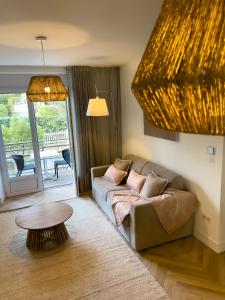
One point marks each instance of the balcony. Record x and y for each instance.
(50, 151)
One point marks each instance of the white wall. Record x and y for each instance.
(188, 157)
(16, 79)
(222, 204)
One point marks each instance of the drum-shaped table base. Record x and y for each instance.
(45, 224)
(47, 238)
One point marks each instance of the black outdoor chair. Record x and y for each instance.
(61, 162)
(21, 166)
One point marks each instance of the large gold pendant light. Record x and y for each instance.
(46, 88)
(180, 81)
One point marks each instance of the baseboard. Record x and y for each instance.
(217, 247)
(2, 198)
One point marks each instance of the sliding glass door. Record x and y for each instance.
(54, 143)
(35, 150)
(19, 153)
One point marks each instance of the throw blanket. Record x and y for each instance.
(121, 203)
(173, 208)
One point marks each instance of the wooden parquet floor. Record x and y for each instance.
(187, 269)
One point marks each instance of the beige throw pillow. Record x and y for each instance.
(135, 181)
(115, 175)
(122, 164)
(153, 186)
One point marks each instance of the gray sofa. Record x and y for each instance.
(141, 228)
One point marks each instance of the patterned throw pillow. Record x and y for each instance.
(153, 186)
(115, 175)
(135, 181)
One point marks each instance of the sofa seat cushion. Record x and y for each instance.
(103, 186)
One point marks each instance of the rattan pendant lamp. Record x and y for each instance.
(180, 81)
(44, 88)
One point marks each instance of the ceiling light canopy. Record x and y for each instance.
(46, 88)
(180, 81)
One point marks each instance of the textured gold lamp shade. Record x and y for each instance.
(180, 81)
(46, 88)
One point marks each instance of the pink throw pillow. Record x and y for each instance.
(115, 175)
(135, 181)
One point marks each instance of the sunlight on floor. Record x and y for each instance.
(49, 195)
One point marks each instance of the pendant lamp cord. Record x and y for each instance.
(43, 55)
(96, 91)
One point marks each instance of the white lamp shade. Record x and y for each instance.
(97, 108)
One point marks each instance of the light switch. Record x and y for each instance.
(211, 150)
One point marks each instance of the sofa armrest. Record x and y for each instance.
(98, 171)
(146, 229)
(143, 220)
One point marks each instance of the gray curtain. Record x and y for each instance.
(97, 139)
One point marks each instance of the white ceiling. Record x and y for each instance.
(80, 32)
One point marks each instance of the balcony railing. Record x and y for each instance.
(25, 148)
(52, 143)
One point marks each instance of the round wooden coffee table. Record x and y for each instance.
(45, 224)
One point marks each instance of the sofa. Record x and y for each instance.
(141, 228)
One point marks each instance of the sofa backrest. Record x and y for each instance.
(144, 167)
(138, 163)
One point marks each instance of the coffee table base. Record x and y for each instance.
(47, 238)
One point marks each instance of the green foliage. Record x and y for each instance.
(5, 121)
(19, 131)
(6, 104)
(51, 125)
(3, 98)
(9, 106)
(3, 111)
(51, 118)
(49, 111)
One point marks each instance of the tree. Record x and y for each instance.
(3, 98)
(3, 111)
(52, 125)
(49, 112)
(9, 106)
(19, 131)
(51, 118)
(8, 100)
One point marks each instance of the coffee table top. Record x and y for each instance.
(44, 215)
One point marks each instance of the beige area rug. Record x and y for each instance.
(95, 263)
(50, 195)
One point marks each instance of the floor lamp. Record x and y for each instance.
(97, 107)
